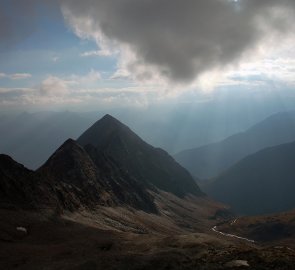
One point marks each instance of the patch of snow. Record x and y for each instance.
(22, 229)
(237, 263)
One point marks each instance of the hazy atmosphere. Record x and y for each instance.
(151, 134)
(198, 71)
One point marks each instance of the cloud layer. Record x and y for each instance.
(177, 40)
(172, 40)
(15, 76)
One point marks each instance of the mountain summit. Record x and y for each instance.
(108, 166)
(153, 167)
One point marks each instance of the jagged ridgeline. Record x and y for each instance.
(108, 165)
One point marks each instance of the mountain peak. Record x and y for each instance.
(104, 130)
(69, 152)
(7, 162)
(5, 158)
(69, 142)
(150, 166)
(108, 117)
(108, 120)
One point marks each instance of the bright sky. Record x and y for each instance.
(84, 54)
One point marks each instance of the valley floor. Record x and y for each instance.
(68, 242)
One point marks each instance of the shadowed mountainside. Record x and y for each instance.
(16, 183)
(115, 168)
(93, 184)
(90, 183)
(261, 183)
(151, 166)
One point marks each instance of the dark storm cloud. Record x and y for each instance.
(181, 39)
(178, 39)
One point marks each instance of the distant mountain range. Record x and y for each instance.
(210, 160)
(19, 134)
(171, 127)
(261, 183)
(109, 165)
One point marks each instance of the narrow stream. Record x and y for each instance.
(214, 229)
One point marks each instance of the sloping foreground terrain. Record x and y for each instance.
(91, 207)
(55, 242)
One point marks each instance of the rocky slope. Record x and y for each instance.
(55, 243)
(90, 183)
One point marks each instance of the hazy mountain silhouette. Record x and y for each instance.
(261, 183)
(210, 160)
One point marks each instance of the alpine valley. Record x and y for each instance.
(109, 200)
